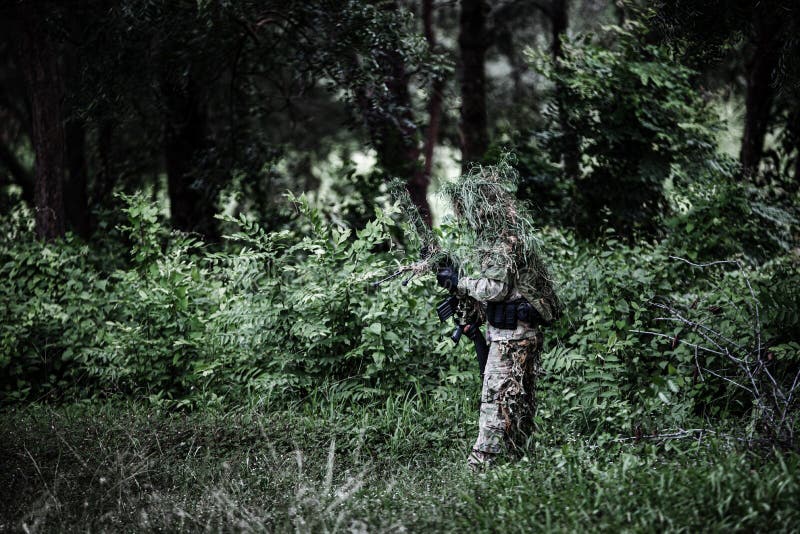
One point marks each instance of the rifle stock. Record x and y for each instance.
(481, 348)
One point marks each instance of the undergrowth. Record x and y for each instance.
(396, 466)
(275, 314)
(275, 390)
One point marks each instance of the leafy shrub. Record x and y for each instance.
(278, 314)
(600, 376)
(51, 298)
(638, 124)
(619, 362)
(717, 217)
(302, 312)
(282, 312)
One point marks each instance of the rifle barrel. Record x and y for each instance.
(390, 277)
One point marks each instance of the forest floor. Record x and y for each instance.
(323, 466)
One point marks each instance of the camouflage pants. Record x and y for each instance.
(508, 398)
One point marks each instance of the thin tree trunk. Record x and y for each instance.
(797, 168)
(384, 132)
(75, 189)
(559, 21)
(76, 202)
(472, 41)
(192, 202)
(105, 179)
(621, 12)
(759, 97)
(797, 165)
(504, 40)
(418, 186)
(793, 128)
(38, 60)
(570, 147)
(400, 144)
(394, 136)
(394, 133)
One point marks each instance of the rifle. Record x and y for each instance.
(432, 258)
(414, 269)
(448, 308)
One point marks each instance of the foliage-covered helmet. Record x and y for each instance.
(484, 200)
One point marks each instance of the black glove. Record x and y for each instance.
(447, 277)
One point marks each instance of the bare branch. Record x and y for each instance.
(659, 334)
(737, 384)
(697, 365)
(695, 324)
(720, 262)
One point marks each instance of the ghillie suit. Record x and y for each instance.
(518, 294)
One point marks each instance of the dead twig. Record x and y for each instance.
(751, 367)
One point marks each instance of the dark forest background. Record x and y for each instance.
(194, 202)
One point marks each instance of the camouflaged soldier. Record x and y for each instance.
(518, 296)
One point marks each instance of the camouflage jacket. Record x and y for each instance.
(498, 283)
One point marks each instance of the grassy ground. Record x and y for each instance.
(321, 466)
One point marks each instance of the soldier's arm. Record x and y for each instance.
(492, 285)
(483, 289)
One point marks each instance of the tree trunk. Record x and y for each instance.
(759, 97)
(797, 164)
(621, 12)
(75, 189)
(399, 150)
(394, 133)
(76, 202)
(793, 145)
(472, 42)
(192, 199)
(38, 60)
(418, 186)
(559, 21)
(106, 178)
(570, 149)
(504, 40)
(797, 168)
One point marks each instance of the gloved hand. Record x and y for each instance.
(447, 277)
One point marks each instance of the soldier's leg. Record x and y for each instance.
(491, 426)
(507, 399)
(518, 394)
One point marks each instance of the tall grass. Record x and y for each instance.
(325, 465)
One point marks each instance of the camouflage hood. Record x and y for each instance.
(484, 202)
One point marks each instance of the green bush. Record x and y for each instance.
(52, 300)
(277, 314)
(298, 313)
(717, 217)
(619, 362)
(638, 123)
(602, 377)
(281, 312)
